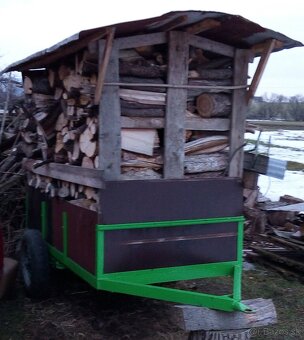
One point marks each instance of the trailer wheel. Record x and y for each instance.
(34, 264)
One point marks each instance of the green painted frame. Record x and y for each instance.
(142, 282)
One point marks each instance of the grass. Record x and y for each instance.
(77, 313)
(288, 298)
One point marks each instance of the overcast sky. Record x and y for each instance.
(27, 26)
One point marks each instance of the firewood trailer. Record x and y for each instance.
(134, 138)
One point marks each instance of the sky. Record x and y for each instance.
(28, 26)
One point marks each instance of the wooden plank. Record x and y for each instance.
(191, 318)
(142, 40)
(176, 105)
(69, 173)
(211, 46)
(279, 258)
(191, 123)
(103, 64)
(109, 121)
(260, 69)
(207, 124)
(238, 118)
(142, 122)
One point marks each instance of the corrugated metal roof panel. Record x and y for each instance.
(233, 30)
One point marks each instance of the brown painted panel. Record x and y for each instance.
(161, 200)
(136, 249)
(57, 230)
(81, 235)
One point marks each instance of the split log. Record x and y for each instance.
(27, 85)
(86, 144)
(61, 122)
(73, 80)
(205, 162)
(140, 141)
(143, 97)
(141, 174)
(37, 82)
(64, 190)
(133, 160)
(206, 145)
(76, 152)
(213, 105)
(87, 163)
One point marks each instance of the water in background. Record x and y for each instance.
(285, 145)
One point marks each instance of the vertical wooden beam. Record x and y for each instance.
(103, 64)
(176, 105)
(238, 118)
(109, 119)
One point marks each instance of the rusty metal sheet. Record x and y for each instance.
(233, 30)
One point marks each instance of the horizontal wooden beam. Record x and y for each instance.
(142, 40)
(69, 173)
(191, 123)
(211, 46)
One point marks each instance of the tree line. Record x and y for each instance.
(277, 107)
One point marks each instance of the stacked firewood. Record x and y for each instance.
(142, 154)
(62, 124)
(61, 118)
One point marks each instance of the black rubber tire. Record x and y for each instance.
(34, 264)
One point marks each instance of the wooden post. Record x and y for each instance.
(109, 119)
(260, 69)
(176, 105)
(238, 118)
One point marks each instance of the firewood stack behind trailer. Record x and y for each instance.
(133, 136)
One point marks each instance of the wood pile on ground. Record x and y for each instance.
(281, 246)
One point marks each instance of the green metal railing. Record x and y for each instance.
(139, 282)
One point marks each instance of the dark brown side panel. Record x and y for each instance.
(81, 235)
(145, 201)
(136, 249)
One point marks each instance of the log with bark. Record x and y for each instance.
(213, 105)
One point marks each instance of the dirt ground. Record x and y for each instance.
(76, 311)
